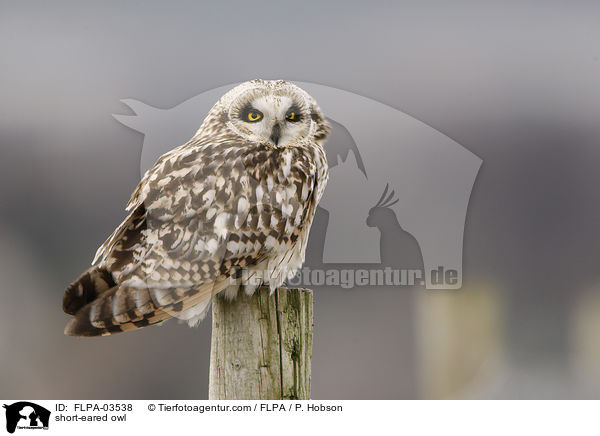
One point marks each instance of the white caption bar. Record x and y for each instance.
(162, 417)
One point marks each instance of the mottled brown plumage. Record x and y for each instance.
(232, 207)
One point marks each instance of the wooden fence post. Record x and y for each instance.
(261, 346)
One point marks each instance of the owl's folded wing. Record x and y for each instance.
(192, 229)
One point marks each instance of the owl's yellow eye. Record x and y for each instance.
(254, 116)
(293, 114)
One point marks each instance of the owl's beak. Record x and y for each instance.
(275, 133)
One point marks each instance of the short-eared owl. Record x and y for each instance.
(231, 207)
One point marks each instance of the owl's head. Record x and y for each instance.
(273, 112)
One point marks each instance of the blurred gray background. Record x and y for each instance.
(517, 83)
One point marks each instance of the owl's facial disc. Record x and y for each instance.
(279, 120)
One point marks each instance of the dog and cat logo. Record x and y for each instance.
(425, 176)
(26, 415)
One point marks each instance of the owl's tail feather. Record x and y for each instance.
(88, 287)
(113, 312)
(123, 308)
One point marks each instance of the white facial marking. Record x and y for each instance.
(274, 107)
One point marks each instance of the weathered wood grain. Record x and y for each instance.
(261, 346)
